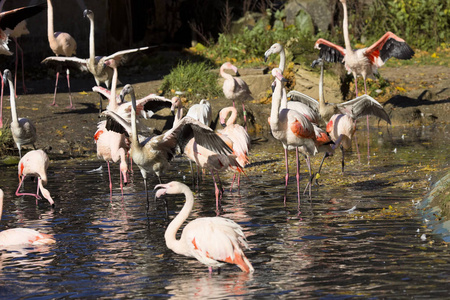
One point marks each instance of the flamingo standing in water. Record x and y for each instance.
(235, 88)
(22, 129)
(291, 128)
(22, 236)
(213, 241)
(35, 163)
(238, 135)
(152, 155)
(61, 43)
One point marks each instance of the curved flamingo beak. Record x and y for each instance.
(162, 189)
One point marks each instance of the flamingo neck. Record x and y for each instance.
(13, 102)
(348, 46)
(134, 134)
(171, 231)
(321, 93)
(232, 119)
(224, 74)
(112, 99)
(91, 41)
(283, 102)
(1, 203)
(276, 103)
(178, 115)
(50, 29)
(282, 64)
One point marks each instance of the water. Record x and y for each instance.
(359, 236)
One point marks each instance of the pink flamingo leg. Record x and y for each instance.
(27, 194)
(110, 181)
(121, 183)
(216, 189)
(368, 131)
(287, 174)
(357, 147)
(245, 116)
(18, 48)
(1, 102)
(56, 89)
(232, 182)
(297, 176)
(70, 93)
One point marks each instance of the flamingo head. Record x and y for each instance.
(88, 13)
(176, 102)
(277, 73)
(275, 48)
(172, 187)
(6, 76)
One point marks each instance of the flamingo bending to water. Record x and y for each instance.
(235, 88)
(35, 163)
(22, 236)
(213, 241)
(22, 129)
(61, 43)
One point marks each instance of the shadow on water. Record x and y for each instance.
(358, 236)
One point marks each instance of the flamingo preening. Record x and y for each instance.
(235, 88)
(213, 241)
(152, 155)
(35, 163)
(22, 236)
(61, 43)
(22, 129)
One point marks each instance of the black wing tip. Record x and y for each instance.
(330, 54)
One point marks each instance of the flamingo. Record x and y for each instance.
(201, 112)
(291, 128)
(363, 62)
(212, 241)
(22, 129)
(235, 88)
(152, 155)
(22, 236)
(8, 21)
(236, 133)
(307, 109)
(35, 163)
(61, 43)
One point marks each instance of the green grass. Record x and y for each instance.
(194, 80)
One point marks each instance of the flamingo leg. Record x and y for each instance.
(286, 178)
(1, 102)
(368, 130)
(308, 163)
(56, 89)
(245, 116)
(26, 194)
(121, 183)
(357, 147)
(18, 48)
(297, 176)
(356, 85)
(216, 189)
(232, 182)
(343, 159)
(110, 181)
(70, 93)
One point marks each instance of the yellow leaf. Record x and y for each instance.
(434, 55)
(83, 93)
(399, 88)
(35, 108)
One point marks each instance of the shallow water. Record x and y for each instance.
(359, 234)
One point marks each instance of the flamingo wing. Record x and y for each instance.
(151, 104)
(217, 239)
(363, 106)
(72, 62)
(389, 45)
(330, 52)
(104, 92)
(122, 56)
(10, 19)
(188, 128)
(305, 99)
(116, 123)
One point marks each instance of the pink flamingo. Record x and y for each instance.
(152, 155)
(22, 236)
(238, 135)
(364, 62)
(212, 241)
(61, 43)
(235, 88)
(8, 21)
(293, 129)
(22, 129)
(35, 163)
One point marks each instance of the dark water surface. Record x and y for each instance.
(359, 236)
